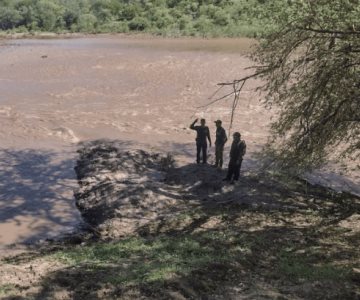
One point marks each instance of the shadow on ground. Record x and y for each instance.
(35, 194)
(263, 238)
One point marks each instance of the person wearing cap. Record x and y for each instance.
(220, 141)
(203, 134)
(237, 152)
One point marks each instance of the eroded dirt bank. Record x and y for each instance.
(122, 191)
(165, 230)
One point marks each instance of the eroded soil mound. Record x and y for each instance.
(121, 190)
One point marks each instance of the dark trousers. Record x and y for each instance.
(233, 170)
(201, 148)
(219, 150)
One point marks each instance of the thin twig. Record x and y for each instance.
(339, 32)
(213, 95)
(216, 100)
(235, 102)
(245, 78)
(236, 91)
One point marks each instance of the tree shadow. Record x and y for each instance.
(208, 264)
(35, 193)
(337, 182)
(221, 241)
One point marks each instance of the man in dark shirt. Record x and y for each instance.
(237, 151)
(220, 141)
(203, 133)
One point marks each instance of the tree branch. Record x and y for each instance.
(326, 31)
(266, 69)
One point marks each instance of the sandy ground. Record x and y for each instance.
(144, 92)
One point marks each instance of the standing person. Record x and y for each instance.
(237, 152)
(220, 141)
(203, 133)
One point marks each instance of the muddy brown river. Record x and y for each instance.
(143, 91)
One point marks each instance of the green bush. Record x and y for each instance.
(185, 23)
(129, 12)
(9, 18)
(115, 26)
(20, 29)
(139, 24)
(203, 26)
(221, 18)
(162, 19)
(87, 23)
(49, 15)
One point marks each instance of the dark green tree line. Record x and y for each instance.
(167, 17)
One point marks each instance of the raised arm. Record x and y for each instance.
(192, 126)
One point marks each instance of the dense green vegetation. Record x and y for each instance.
(311, 66)
(164, 17)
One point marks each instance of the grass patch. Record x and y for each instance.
(300, 268)
(142, 260)
(6, 289)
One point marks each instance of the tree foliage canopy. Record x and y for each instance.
(311, 66)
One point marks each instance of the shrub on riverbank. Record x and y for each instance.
(162, 17)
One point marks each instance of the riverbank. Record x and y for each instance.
(240, 45)
(164, 230)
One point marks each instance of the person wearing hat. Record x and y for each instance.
(220, 141)
(203, 133)
(237, 152)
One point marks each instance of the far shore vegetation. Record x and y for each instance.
(171, 18)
